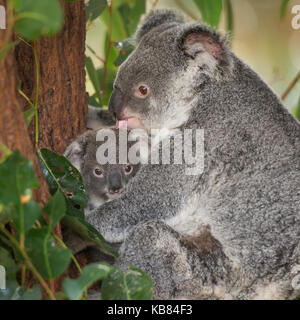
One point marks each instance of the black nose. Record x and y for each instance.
(116, 103)
(115, 183)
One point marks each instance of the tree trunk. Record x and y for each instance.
(13, 130)
(62, 107)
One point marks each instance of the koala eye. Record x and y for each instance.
(142, 91)
(98, 173)
(128, 169)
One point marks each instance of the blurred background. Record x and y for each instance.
(261, 32)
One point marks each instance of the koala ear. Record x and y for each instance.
(156, 18)
(74, 153)
(198, 43)
(208, 48)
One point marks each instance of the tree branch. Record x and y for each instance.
(291, 86)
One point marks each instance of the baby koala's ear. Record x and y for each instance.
(156, 18)
(74, 153)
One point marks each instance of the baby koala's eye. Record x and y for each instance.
(128, 169)
(98, 173)
(142, 91)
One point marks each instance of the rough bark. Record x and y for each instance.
(13, 130)
(62, 106)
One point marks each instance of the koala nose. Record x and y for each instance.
(115, 183)
(116, 103)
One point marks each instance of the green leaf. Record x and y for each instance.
(297, 110)
(210, 11)
(94, 8)
(283, 7)
(55, 209)
(37, 18)
(61, 174)
(29, 213)
(90, 274)
(109, 83)
(17, 178)
(229, 16)
(5, 153)
(131, 12)
(28, 115)
(15, 292)
(113, 54)
(93, 75)
(94, 102)
(133, 284)
(87, 231)
(49, 259)
(118, 27)
(125, 48)
(9, 264)
(7, 213)
(5, 50)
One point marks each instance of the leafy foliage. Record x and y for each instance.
(210, 11)
(94, 8)
(74, 289)
(133, 284)
(62, 175)
(37, 18)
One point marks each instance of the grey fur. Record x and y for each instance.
(232, 232)
(98, 118)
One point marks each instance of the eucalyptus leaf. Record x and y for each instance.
(49, 259)
(55, 209)
(7, 213)
(118, 26)
(93, 75)
(229, 16)
(17, 178)
(15, 292)
(210, 11)
(61, 174)
(88, 232)
(131, 12)
(133, 284)
(125, 48)
(94, 102)
(283, 7)
(94, 8)
(28, 213)
(28, 115)
(9, 264)
(37, 18)
(93, 272)
(109, 82)
(297, 110)
(5, 50)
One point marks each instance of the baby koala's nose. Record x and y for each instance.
(115, 183)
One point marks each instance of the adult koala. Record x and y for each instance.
(232, 232)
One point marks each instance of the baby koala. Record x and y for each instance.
(103, 182)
